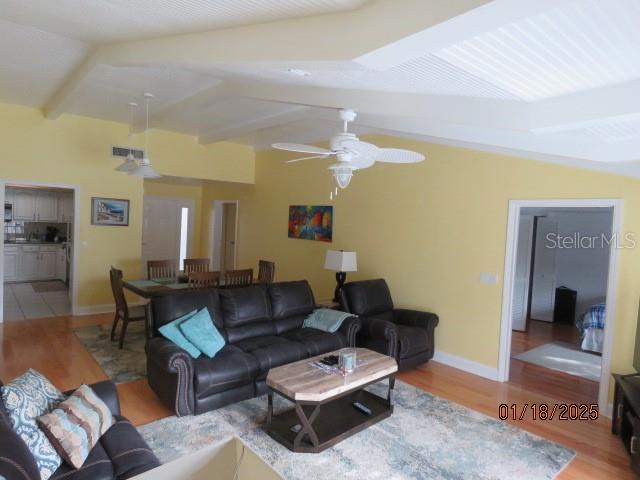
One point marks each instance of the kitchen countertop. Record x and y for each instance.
(35, 243)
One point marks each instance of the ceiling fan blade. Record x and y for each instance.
(306, 158)
(398, 155)
(297, 147)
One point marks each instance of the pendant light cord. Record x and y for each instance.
(146, 131)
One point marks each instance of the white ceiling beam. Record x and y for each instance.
(465, 25)
(585, 109)
(289, 114)
(327, 37)
(62, 98)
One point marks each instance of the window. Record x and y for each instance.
(184, 230)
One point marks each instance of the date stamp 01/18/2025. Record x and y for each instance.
(544, 412)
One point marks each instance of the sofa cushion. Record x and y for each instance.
(413, 340)
(246, 312)
(291, 298)
(317, 341)
(272, 351)
(201, 332)
(171, 331)
(76, 425)
(166, 309)
(368, 297)
(97, 466)
(129, 453)
(230, 368)
(26, 398)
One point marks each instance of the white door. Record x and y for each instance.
(544, 271)
(166, 229)
(522, 274)
(47, 207)
(24, 205)
(47, 265)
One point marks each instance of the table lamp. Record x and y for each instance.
(341, 262)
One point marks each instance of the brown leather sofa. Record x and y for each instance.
(406, 335)
(262, 327)
(121, 453)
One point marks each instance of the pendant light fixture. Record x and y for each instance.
(129, 164)
(145, 169)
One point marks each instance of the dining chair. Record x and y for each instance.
(196, 265)
(204, 279)
(266, 271)
(238, 278)
(122, 308)
(161, 269)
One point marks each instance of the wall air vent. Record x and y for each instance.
(124, 151)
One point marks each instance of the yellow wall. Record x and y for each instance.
(429, 229)
(75, 150)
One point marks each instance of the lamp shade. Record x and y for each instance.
(341, 261)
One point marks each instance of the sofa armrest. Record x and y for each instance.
(16, 461)
(170, 373)
(349, 328)
(378, 328)
(415, 318)
(108, 394)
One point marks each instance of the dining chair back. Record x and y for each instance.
(238, 278)
(196, 265)
(161, 269)
(266, 271)
(204, 279)
(122, 308)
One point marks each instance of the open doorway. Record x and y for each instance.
(40, 231)
(225, 235)
(558, 307)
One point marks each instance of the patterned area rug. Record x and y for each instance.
(121, 366)
(426, 438)
(51, 286)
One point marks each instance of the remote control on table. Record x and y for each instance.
(362, 408)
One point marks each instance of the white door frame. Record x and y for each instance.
(73, 283)
(190, 231)
(215, 231)
(515, 207)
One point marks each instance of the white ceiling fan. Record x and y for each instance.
(351, 153)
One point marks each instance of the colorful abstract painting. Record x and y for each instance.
(311, 222)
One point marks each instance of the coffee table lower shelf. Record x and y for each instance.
(329, 422)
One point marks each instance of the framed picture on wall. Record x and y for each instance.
(311, 222)
(109, 211)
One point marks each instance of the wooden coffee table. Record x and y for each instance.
(323, 412)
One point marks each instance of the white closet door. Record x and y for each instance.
(522, 274)
(544, 272)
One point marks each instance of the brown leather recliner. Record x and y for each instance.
(406, 335)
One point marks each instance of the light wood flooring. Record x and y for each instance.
(50, 346)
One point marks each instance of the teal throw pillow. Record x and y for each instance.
(172, 332)
(200, 330)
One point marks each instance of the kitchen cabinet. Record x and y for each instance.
(65, 208)
(10, 264)
(28, 263)
(47, 264)
(46, 207)
(24, 205)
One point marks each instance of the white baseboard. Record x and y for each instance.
(107, 308)
(470, 366)
(608, 411)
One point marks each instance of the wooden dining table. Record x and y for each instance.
(159, 287)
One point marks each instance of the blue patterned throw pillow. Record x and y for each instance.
(26, 398)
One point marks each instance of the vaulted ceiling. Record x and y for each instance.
(557, 80)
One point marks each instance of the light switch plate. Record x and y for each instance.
(489, 278)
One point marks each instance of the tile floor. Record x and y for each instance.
(22, 302)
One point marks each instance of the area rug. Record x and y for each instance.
(564, 359)
(121, 366)
(49, 286)
(426, 438)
